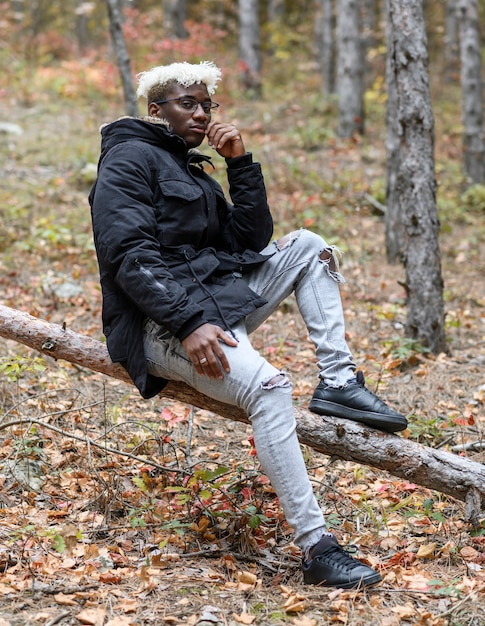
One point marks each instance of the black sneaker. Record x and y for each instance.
(329, 565)
(355, 402)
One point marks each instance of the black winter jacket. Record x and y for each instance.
(169, 245)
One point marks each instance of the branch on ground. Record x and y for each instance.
(437, 470)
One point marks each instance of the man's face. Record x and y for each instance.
(183, 121)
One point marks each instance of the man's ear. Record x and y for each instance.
(153, 109)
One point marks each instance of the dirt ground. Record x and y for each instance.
(97, 540)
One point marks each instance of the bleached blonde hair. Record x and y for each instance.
(159, 78)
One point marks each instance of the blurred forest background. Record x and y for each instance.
(117, 511)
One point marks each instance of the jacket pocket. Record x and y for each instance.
(180, 189)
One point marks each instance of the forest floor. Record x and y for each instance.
(186, 530)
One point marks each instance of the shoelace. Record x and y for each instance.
(360, 379)
(339, 556)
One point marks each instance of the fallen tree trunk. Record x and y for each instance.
(435, 469)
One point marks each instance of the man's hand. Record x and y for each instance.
(204, 350)
(225, 139)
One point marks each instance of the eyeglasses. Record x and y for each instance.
(191, 104)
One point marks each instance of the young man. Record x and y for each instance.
(186, 277)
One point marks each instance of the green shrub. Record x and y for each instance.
(474, 198)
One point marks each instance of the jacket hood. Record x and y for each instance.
(152, 130)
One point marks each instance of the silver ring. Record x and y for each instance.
(203, 361)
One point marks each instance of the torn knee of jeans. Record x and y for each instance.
(330, 257)
(279, 380)
(327, 257)
(287, 240)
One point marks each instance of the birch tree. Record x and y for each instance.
(350, 69)
(415, 178)
(472, 91)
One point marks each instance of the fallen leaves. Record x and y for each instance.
(426, 551)
(469, 554)
(294, 602)
(304, 621)
(244, 618)
(92, 617)
(65, 600)
(246, 582)
(121, 620)
(73, 516)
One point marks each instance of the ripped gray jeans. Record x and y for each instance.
(308, 267)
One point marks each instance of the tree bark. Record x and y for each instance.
(472, 91)
(82, 12)
(325, 41)
(276, 10)
(369, 38)
(122, 57)
(450, 43)
(250, 46)
(350, 64)
(438, 470)
(174, 16)
(416, 182)
(393, 218)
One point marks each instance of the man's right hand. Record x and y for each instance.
(204, 350)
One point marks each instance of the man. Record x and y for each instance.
(186, 276)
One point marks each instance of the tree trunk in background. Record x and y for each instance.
(174, 16)
(276, 10)
(250, 46)
(350, 69)
(274, 23)
(368, 38)
(451, 46)
(83, 11)
(325, 43)
(122, 57)
(18, 7)
(472, 91)
(416, 183)
(393, 218)
(369, 19)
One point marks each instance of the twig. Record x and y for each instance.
(190, 428)
(118, 425)
(66, 590)
(375, 203)
(108, 529)
(58, 618)
(471, 445)
(459, 604)
(446, 441)
(273, 566)
(54, 413)
(100, 479)
(264, 562)
(90, 442)
(208, 552)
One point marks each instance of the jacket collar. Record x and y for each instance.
(152, 129)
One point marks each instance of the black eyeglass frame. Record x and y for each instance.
(208, 107)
